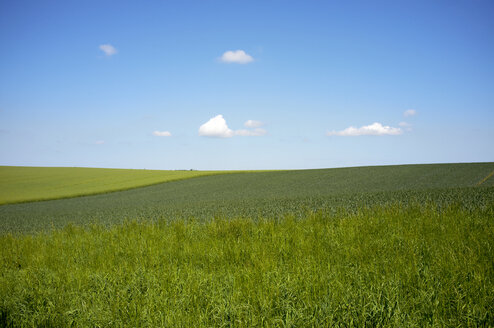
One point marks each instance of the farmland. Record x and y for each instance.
(394, 246)
(25, 184)
(261, 195)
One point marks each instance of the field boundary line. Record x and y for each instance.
(486, 178)
(101, 192)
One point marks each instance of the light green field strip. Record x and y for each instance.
(25, 184)
(486, 178)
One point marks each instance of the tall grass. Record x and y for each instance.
(406, 266)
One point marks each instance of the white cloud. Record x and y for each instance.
(99, 142)
(108, 49)
(237, 56)
(409, 112)
(375, 129)
(257, 132)
(162, 134)
(253, 124)
(216, 127)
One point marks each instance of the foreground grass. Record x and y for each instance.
(25, 184)
(407, 266)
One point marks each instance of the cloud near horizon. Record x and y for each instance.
(237, 56)
(108, 49)
(374, 129)
(216, 127)
(409, 112)
(162, 134)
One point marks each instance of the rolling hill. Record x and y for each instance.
(26, 184)
(262, 194)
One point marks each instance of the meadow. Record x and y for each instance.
(397, 246)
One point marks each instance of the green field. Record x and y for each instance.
(261, 195)
(390, 246)
(391, 266)
(25, 184)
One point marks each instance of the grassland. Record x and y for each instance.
(396, 266)
(26, 184)
(398, 246)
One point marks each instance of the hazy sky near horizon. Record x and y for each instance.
(245, 85)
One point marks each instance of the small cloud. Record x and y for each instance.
(216, 127)
(99, 142)
(375, 129)
(257, 132)
(409, 112)
(162, 134)
(108, 49)
(253, 124)
(237, 56)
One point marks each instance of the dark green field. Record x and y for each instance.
(395, 246)
(262, 195)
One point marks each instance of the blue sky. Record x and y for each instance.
(324, 84)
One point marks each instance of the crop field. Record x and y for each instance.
(25, 184)
(261, 195)
(390, 246)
